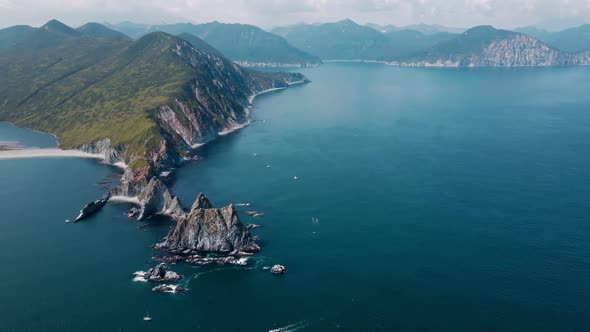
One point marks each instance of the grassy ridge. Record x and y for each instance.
(86, 89)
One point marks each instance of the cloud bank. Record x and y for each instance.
(267, 13)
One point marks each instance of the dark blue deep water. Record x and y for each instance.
(446, 200)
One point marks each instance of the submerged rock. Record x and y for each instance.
(254, 213)
(278, 269)
(169, 289)
(93, 207)
(207, 229)
(133, 213)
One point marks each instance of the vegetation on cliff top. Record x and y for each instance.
(84, 88)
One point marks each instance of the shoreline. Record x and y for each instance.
(55, 153)
(437, 65)
(251, 100)
(59, 153)
(35, 130)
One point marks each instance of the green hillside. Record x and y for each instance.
(9, 37)
(100, 31)
(85, 89)
(344, 40)
(410, 42)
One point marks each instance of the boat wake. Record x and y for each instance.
(292, 327)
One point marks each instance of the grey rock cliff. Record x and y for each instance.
(211, 230)
(155, 198)
(103, 147)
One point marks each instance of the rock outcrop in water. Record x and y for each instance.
(92, 207)
(208, 229)
(169, 289)
(161, 273)
(157, 199)
(278, 269)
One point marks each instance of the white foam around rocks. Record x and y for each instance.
(125, 199)
(46, 153)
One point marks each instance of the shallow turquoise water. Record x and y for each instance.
(447, 200)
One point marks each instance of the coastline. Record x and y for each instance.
(55, 153)
(251, 100)
(442, 64)
(80, 153)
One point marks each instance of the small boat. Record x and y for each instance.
(147, 318)
(295, 178)
(67, 220)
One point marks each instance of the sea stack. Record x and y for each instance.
(155, 198)
(208, 229)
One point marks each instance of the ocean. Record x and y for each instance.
(399, 199)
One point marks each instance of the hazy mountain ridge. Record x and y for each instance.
(478, 46)
(242, 43)
(343, 40)
(485, 46)
(427, 29)
(573, 40)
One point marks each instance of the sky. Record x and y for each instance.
(270, 13)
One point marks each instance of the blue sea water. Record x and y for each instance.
(444, 200)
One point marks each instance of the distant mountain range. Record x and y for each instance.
(145, 102)
(245, 44)
(485, 46)
(478, 46)
(344, 40)
(571, 40)
(427, 29)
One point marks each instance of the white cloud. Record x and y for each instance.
(502, 13)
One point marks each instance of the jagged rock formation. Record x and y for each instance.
(209, 229)
(161, 273)
(103, 147)
(155, 198)
(201, 202)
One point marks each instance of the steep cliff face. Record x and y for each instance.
(212, 95)
(103, 148)
(210, 230)
(155, 198)
(217, 99)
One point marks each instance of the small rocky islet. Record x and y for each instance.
(202, 235)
